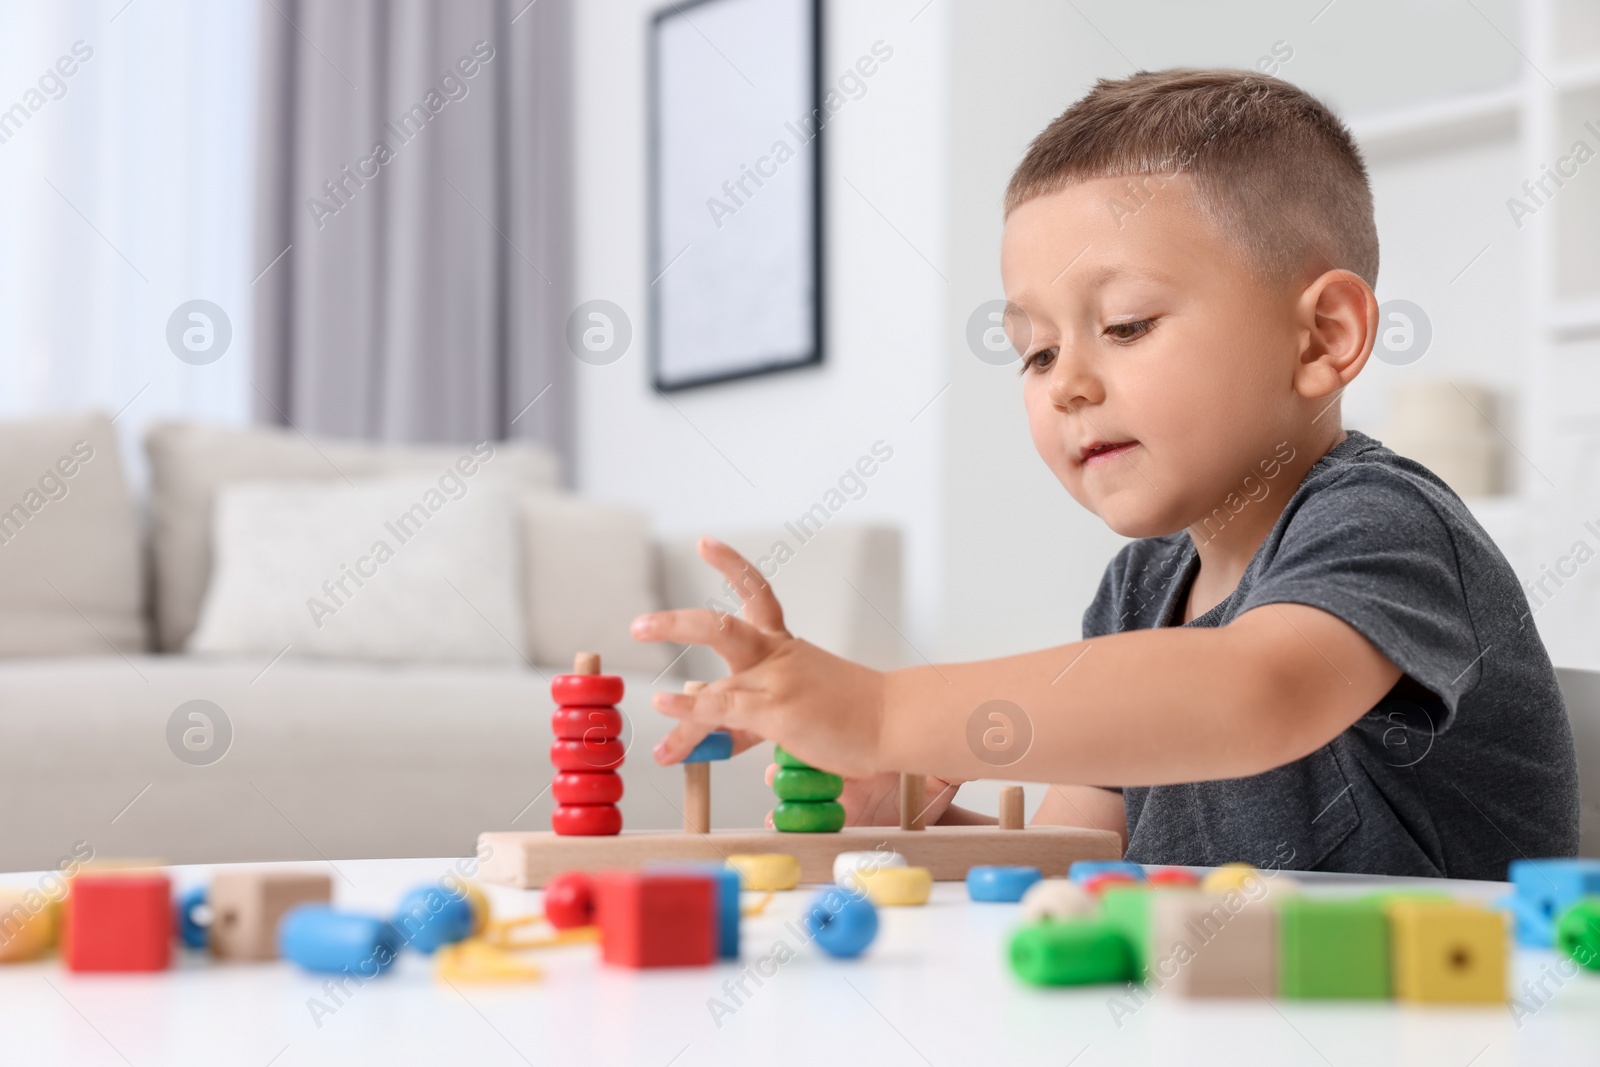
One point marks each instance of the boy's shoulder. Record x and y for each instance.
(1360, 499)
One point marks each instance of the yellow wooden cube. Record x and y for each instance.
(1451, 953)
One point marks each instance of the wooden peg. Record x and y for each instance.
(586, 663)
(913, 801)
(696, 786)
(1011, 807)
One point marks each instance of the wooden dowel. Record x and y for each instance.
(696, 787)
(586, 663)
(1011, 807)
(913, 801)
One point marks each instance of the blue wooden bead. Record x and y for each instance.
(1543, 889)
(717, 745)
(191, 931)
(430, 916)
(332, 942)
(1083, 870)
(842, 922)
(727, 884)
(1000, 884)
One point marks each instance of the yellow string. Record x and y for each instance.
(759, 906)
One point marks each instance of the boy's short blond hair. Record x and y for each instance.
(1272, 167)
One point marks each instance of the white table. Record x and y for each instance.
(933, 989)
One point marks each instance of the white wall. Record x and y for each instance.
(760, 452)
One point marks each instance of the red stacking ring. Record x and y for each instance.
(1101, 882)
(586, 820)
(587, 787)
(1172, 876)
(586, 724)
(595, 690)
(571, 755)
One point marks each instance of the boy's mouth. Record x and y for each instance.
(1097, 452)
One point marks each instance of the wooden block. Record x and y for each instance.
(528, 859)
(118, 921)
(1448, 953)
(246, 907)
(1213, 946)
(1333, 949)
(697, 798)
(913, 801)
(1011, 807)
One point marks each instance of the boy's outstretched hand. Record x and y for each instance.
(826, 710)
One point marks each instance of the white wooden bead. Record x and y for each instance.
(846, 864)
(1056, 898)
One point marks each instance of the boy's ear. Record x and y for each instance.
(1339, 315)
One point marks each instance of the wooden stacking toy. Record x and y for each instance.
(809, 834)
(587, 750)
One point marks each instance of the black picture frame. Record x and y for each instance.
(661, 374)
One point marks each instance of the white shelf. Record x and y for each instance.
(1441, 124)
(1570, 77)
(1575, 319)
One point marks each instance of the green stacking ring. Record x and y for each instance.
(785, 760)
(1072, 952)
(796, 783)
(1578, 933)
(809, 817)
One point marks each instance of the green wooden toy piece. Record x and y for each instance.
(1070, 952)
(1127, 908)
(809, 817)
(1578, 933)
(784, 759)
(1333, 949)
(801, 783)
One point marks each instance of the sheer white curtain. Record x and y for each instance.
(125, 192)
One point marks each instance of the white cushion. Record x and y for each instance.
(411, 569)
(588, 569)
(70, 580)
(188, 462)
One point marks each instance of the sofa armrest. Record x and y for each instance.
(840, 589)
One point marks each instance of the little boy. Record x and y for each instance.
(1312, 655)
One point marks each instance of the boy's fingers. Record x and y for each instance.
(761, 607)
(723, 704)
(730, 637)
(772, 772)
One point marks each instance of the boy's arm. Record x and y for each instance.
(1148, 707)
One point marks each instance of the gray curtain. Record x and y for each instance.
(412, 227)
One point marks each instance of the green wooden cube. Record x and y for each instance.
(1332, 949)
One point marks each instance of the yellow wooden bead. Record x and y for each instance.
(1244, 878)
(897, 886)
(478, 903)
(30, 924)
(766, 872)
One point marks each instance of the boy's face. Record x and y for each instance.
(1151, 337)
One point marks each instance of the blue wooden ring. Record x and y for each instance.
(191, 931)
(717, 745)
(1000, 884)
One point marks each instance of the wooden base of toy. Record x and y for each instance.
(528, 859)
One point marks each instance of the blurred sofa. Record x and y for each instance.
(323, 758)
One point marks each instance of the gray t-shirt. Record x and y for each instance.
(1466, 764)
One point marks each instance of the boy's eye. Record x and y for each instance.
(1129, 331)
(1039, 360)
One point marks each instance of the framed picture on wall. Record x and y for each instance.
(735, 188)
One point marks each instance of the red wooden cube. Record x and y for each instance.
(118, 922)
(656, 920)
